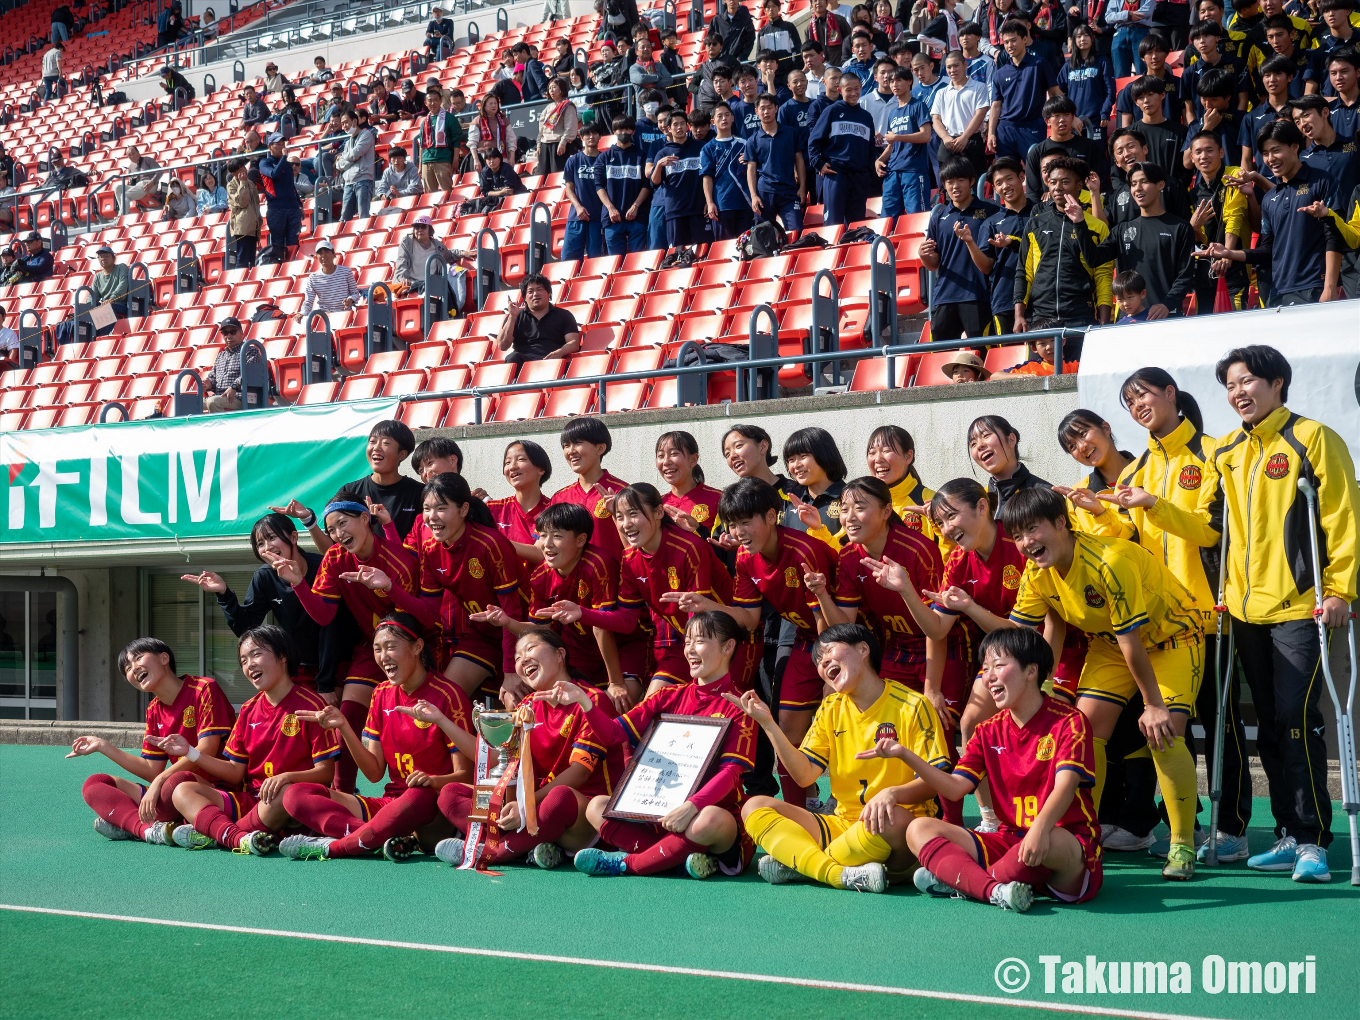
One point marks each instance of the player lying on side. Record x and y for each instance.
(419, 760)
(192, 707)
(571, 766)
(704, 833)
(1038, 755)
(863, 845)
(238, 805)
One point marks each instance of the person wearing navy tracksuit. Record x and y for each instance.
(584, 237)
(841, 151)
(1019, 89)
(775, 172)
(622, 188)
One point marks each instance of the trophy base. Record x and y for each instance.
(481, 803)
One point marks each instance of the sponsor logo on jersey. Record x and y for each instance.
(673, 578)
(885, 731)
(1044, 752)
(189, 718)
(476, 569)
(1010, 577)
(1093, 598)
(1190, 477)
(791, 577)
(625, 171)
(290, 727)
(1277, 466)
(680, 166)
(699, 512)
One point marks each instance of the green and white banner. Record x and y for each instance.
(196, 477)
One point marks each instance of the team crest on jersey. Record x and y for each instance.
(885, 731)
(1093, 598)
(476, 569)
(911, 519)
(1302, 189)
(699, 512)
(1129, 234)
(565, 730)
(290, 726)
(672, 578)
(1010, 577)
(582, 591)
(189, 718)
(833, 510)
(1277, 466)
(1044, 752)
(601, 510)
(1190, 477)
(421, 724)
(791, 577)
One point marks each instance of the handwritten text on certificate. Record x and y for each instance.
(667, 768)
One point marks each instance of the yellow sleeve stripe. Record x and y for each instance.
(968, 773)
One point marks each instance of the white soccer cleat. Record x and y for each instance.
(305, 848)
(1015, 896)
(450, 851)
(865, 878)
(777, 872)
(108, 830)
(161, 833)
(926, 881)
(191, 839)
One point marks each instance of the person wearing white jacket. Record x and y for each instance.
(354, 164)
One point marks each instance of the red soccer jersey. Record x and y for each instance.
(407, 744)
(683, 562)
(589, 584)
(904, 646)
(270, 739)
(367, 606)
(480, 569)
(1021, 763)
(606, 537)
(563, 737)
(739, 742)
(701, 503)
(781, 580)
(199, 710)
(516, 524)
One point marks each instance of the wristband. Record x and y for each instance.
(309, 521)
(193, 754)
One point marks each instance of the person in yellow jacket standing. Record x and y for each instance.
(1253, 478)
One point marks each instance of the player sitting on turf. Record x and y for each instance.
(417, 758)
(192, 706)
(1145, 633)
(1037, 753)
(269, 748)
(704, 833)
(864, 843)
(571, 765)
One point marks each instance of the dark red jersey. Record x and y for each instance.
(516, 524)
(781, 581)
(270, 739)
(590, 584)
(368, 607)
(199, 710)
(563, 737)
(409, 745)
(606, 537)
(480, 569)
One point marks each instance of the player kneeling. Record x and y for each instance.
(269, 748)
(1037, 753)
(419, 760)
(570, 766)
(704, 833)
(863, 845)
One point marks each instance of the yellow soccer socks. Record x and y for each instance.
(1180, 789)
(858, 846)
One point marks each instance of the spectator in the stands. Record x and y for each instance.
(509, 91)
(535, 81)
(535, 329)
(273, 81)
(9, 342)
(438, 35)
(559, 128)
(414, 252)
(861, 62)
(959, 113)
(354, 164)
(211, 197)
(321, 73)
(563, 60)
(337, 104)
(222, 385)
(6, 163)
(491, 129)
(36, 263)
(701, 81)
(965, 367)
(829, 30)
(142, 190)
(734, 26)
(179, 203)
(60, 175)
(647, 72)
(332, 288)
(412, 99)
(8, 262)
(498, 177)
(7, 191)
(170, 24)
(677, 181)
(110, 285)
(440, 135)
(51, 69)
(254, 110)
(583, 236)
(63, 24)
(401, 176)
(172, 82)
(383, 106)
(778, 35)
(669, 55)
(622, 190)
(455, 100)
(293, 110)
(284, 213)
(244, 221)
(775, 168)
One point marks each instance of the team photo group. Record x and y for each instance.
(810, 671)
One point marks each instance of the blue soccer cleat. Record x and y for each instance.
(594, 861)
(1230, 848)
(1280, 857)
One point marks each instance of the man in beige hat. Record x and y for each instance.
(965, 367)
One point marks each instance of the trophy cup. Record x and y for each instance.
(500, 730)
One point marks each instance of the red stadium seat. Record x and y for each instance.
(518, 406)
(423, 414)
(450, 377)
(493, 373)
(360, 387)
(470, 352)
(569, 400)
(585, 365)
(317, 393)
(600, 336)
(542, 371)
(44, 417)
(400, 384)
(1001, 358)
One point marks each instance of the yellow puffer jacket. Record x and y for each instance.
(910, 491)
(1255, 473)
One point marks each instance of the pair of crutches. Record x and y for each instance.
(1345, 729)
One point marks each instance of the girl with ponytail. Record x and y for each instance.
(690, 503)
(1089, 440)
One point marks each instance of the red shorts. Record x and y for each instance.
(487, 654)
(670, 665)
(800, 688)
(745, 664)
(236, 804)
(955, 685)
(370, 806)
(732, 861)
(363, 669)
(992, 846)
(635, 655)
(1067, 673)
(306, 676)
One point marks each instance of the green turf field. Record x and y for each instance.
(726, 949)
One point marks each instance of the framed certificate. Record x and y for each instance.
(668, 766)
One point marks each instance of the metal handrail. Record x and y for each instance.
(887, 351)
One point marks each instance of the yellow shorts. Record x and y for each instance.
(833, 827)
(1178, 666)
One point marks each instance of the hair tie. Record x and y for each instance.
(347, 505)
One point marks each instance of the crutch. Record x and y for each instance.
(1222, 694)
(1345, 729)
